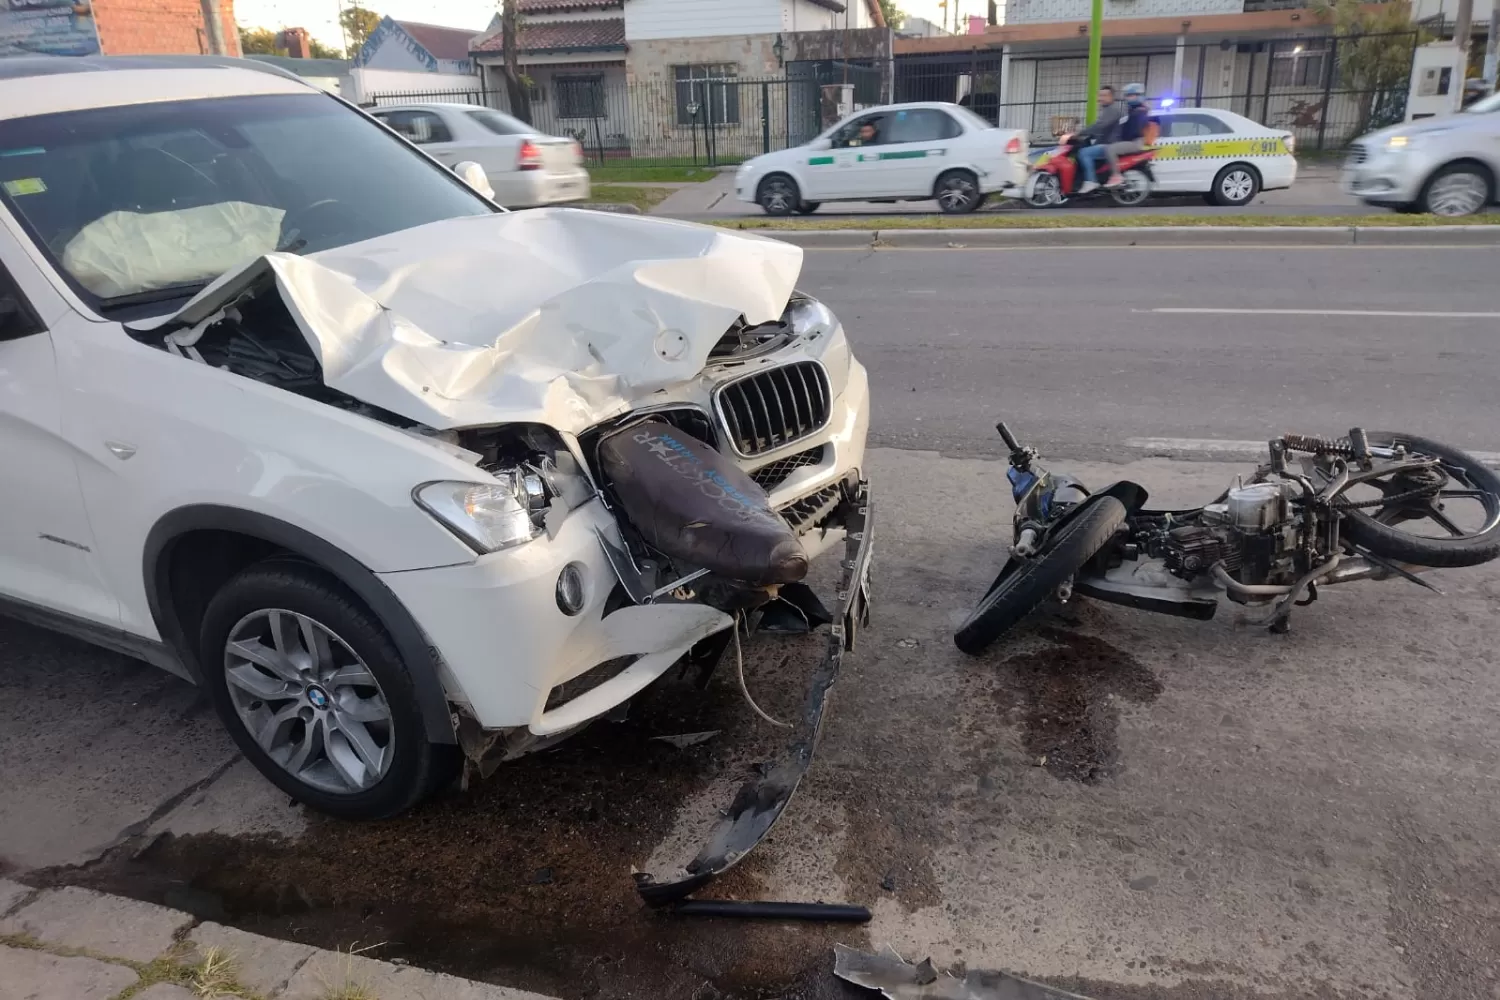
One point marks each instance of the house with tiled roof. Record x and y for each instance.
(666, 77)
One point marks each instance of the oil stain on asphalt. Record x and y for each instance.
(1065, 697)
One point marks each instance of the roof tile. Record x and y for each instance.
(562, 36)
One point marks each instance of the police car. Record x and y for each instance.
(1225, 157)
(901, 152)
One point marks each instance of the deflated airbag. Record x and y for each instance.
(695, 506)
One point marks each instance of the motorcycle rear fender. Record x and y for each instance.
(1132, 495)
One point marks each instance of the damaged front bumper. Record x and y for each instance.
(759, 803)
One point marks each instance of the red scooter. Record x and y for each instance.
(1056, 177)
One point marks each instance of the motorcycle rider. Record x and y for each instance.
(1102, 132)
(1128, 137)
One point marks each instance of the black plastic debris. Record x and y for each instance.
(685, 740)
(892, 976)
(759, 803)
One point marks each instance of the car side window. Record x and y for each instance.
(421, 127)
(922, 125)
(17, 319)
(1190, 126)
(854, 133)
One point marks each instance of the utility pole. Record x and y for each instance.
(1463, 27)
(213, 26)
(1096, 41)
(1492, 51)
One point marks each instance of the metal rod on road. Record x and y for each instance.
(1096, 39)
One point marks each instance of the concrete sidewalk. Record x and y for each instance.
(75, 944)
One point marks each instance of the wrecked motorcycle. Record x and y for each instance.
(1321, 511)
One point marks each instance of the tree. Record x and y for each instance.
(318, 50)
(259, 42)
(1375, 46)
(894, 16)
(515, 83)
(358, 23)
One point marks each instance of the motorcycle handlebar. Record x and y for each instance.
(1008, 437)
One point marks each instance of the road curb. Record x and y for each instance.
(1124, 236)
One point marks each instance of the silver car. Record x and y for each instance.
(1445, 166)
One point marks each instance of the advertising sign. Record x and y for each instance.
(47, 27)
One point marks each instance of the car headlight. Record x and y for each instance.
(811, 320)
(1398, 142)
(489, 516)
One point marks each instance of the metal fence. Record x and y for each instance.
(1302, 84)
(699, 119)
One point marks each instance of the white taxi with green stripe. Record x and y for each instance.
(901, 152)
(1225, 157)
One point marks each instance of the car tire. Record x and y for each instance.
(1235, 186)
(315, 694)
(957, 192)
(778, 195)
(808, 207)
(1456, 190)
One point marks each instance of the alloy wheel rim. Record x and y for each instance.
(1457, 194)
(778, 196)
(309, 701)
(956, 193)
(1237, 185)
(1048, 189)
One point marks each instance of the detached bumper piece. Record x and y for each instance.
(893, 977)
(760, 803)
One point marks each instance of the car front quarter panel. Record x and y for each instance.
(155, 432)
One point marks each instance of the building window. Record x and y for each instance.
(1299, 65)
(579, 96)
(707, 94)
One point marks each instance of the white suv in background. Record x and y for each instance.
(289, 409)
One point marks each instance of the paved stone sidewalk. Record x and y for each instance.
(75, 944)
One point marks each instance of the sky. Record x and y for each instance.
(321, 17)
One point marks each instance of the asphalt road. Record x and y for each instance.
(1134, 807)
(1070, 347)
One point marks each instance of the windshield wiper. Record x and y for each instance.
(153, 296)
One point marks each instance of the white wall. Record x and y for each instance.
(645, 19)
(385, 81)
(802, 15)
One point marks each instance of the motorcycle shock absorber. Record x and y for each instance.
(1312, 444)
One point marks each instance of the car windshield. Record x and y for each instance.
(150, 202)
(1485, 106)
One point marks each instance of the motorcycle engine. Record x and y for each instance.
(1252, 533)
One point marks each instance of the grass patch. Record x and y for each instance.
(643, 198)
(213, 978)
(625, 173)
(1112, 221)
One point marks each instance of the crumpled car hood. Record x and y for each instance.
(557, 316)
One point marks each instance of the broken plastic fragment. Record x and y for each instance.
(898, 979)
(687, 739)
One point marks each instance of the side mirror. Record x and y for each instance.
(820, 144)
(473, 175)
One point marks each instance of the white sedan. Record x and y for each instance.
(525, 167)
(901, 152)
(1225, 157)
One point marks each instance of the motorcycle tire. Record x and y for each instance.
(1392, 543)
(1024, 584)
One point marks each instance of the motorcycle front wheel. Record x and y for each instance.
(1458, 525)
(1024, 584)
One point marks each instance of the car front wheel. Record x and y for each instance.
(1457, 189)
(778, 195)
(316, 695)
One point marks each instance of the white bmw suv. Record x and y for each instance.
(289, 409)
